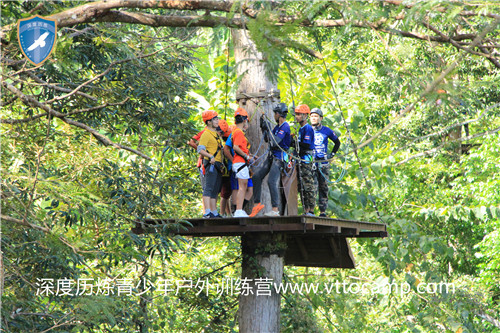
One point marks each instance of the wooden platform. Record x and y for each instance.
(311, 241)
(241, 226)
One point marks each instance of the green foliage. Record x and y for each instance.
(87, 195)
(82, 197)
(215, 71)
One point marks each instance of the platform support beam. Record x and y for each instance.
(262, 268)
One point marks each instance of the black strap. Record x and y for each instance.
(219, 147)
(241, 167)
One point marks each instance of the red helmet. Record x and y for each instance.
(241, 112)
(224, 127)
(208, 115)
(303, 108)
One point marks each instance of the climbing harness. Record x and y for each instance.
(312, 160)
(298, 158)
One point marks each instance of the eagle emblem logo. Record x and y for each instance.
(37, 38)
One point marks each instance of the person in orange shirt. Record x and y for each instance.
(241, 159)
(229, 154)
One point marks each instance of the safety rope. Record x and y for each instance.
(301, 183)
(261, 139)
(256, 153)
(227, 75)
(338, 180)
(372, 199)
(298, 159)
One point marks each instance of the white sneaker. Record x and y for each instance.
(272, 213)
(240, 213)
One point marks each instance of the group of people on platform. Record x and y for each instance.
(228, 169)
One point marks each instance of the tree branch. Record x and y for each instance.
(444, 130)
(86, 13)
(39, 6)
(110, 67)
(94, 108)
(40, 115)
(495, 322)
(55, 87)
(241, 23)
(16, 314)
(442, 9)
(9, 102)
(28, 72)
(30, 101)
(208, 21)
(431, 86)
(102, 11)
(23, 222)
(296, 45)
(91, 11)
(38, 162)
(435, 150)
(457, 45)
(493, 60)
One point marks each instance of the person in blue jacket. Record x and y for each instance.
(279, 139)
(322, 135)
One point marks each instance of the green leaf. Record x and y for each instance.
(376, 167)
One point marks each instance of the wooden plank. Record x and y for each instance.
(241, 230)
(372, 226)
(372, 234)
(239, 226)
(362, 226)
(320, 229)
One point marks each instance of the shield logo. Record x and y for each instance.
(37, 38)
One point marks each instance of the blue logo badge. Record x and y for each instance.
(37, 38)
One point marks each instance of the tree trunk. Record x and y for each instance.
(261, 269)
(256, 94)
(259, 310)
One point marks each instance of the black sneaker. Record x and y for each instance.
(218, 216)
(208, 216)
(322, 215)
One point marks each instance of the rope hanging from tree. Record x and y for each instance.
(301, 186)
(320, 49)
(227, 75)
(296, 158)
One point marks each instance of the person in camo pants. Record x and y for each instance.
(322, 172)
(307, 185)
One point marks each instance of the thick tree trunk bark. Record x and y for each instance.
(256, 94)
(262, 266)
(261, 269)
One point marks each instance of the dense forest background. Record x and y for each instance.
(95, 139)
